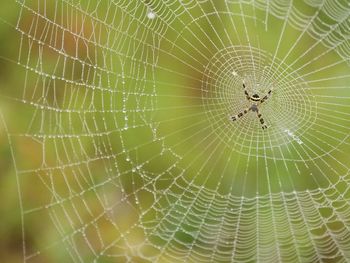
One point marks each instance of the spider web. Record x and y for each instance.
(133, 156)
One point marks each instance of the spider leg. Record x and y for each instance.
(240, 115)
(266, 96)
(263, 125)
(245, 91)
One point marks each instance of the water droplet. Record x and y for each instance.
(151, 15)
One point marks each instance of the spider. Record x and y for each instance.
(256, 102)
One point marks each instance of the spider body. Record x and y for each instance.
(254, 107)
(255, 97)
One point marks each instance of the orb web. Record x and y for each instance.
(292, 105)
(127, 151)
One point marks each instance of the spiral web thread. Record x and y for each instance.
(128, 107)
